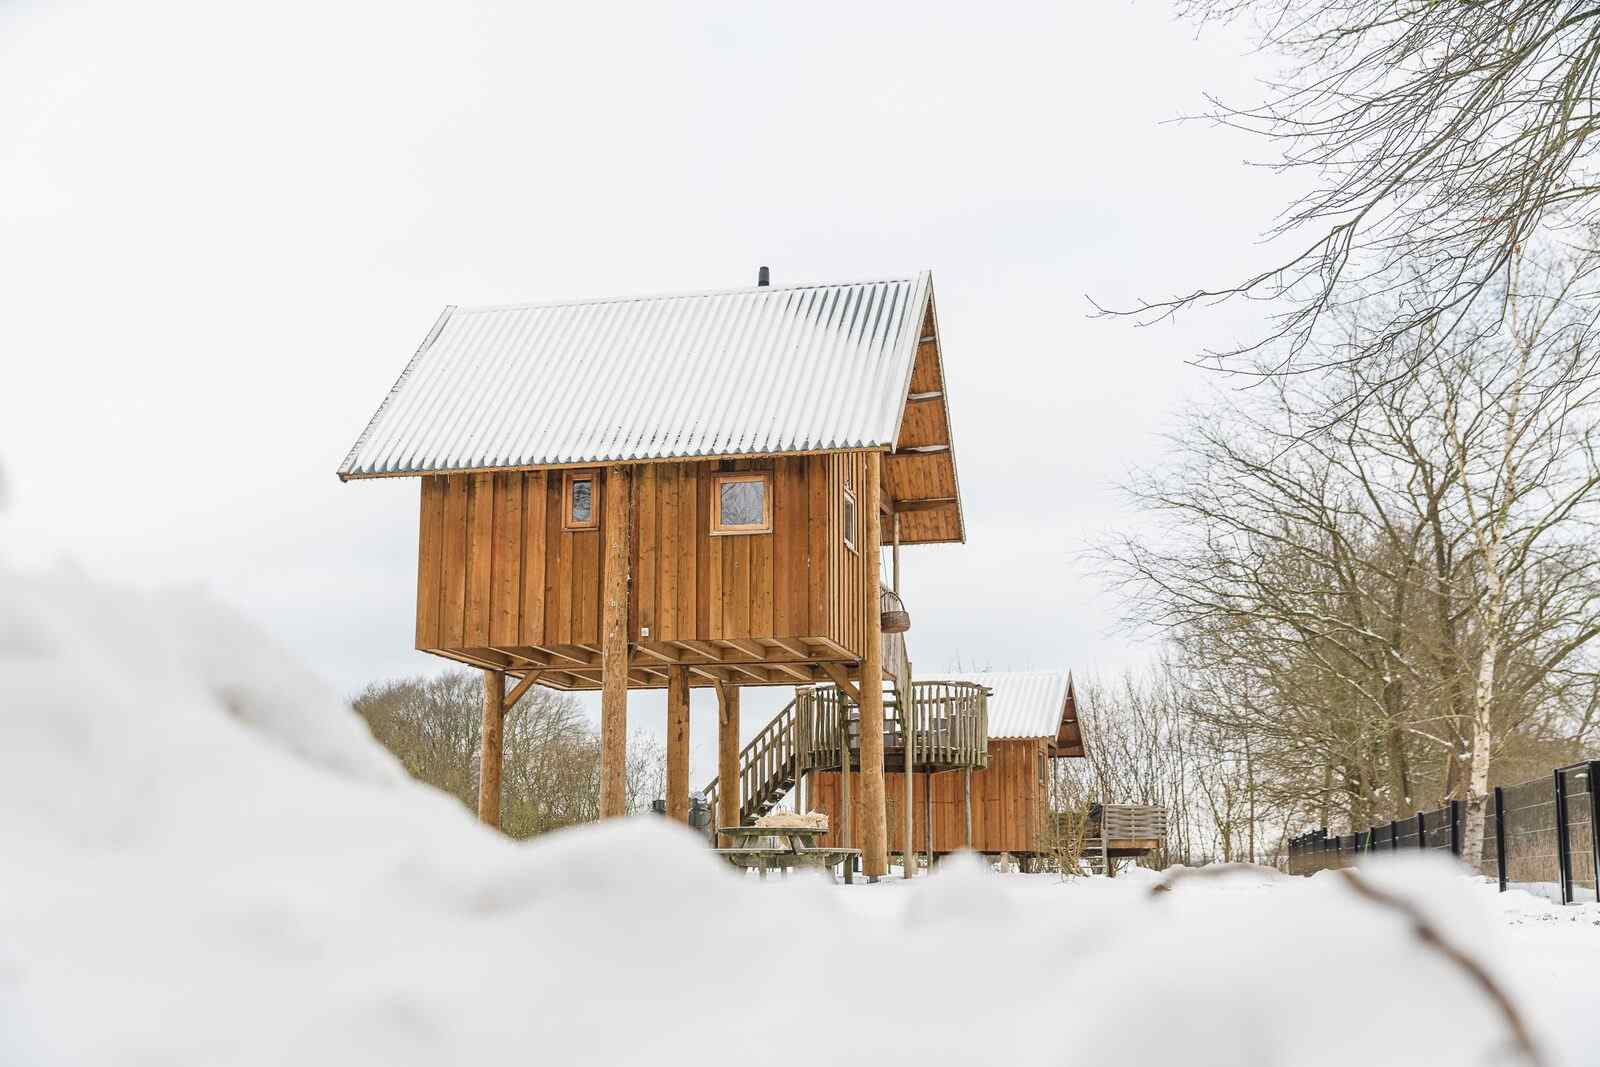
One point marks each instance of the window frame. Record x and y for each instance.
(848, 510)
(721, 478)
(568, 478)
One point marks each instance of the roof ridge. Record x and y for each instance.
(680, 294)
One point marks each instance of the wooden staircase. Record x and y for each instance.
(767, 769)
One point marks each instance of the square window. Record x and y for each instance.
(850, 520)
(741, 503)
(580, 510)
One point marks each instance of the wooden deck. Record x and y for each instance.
(947, 724)
(946, 721)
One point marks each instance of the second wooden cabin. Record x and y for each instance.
(1003, 807)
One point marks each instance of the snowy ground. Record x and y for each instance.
(205, 860)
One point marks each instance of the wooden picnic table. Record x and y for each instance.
(795, 846)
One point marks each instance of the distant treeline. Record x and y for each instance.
(434, 725)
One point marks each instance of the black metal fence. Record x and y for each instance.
(1539, 836)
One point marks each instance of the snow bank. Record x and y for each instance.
(204, 859)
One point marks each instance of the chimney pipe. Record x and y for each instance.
(763, 277)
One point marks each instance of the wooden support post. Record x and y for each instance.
(966, 807)
(895, 525)
(927, 815)
(908, 841)
(874, 803)
(614, 648)
(727, 813)
(489, 758)
(678, 743)
(846, 814)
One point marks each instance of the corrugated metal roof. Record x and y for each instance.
(1024, 703)
(734, 372)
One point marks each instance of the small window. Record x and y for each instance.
(850, 520)
(580, 511)
(741, 503)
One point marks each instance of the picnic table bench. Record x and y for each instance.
(792, 846)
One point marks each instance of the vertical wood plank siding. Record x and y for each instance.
(495, 568)
(1008, 802)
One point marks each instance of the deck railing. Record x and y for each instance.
(1126, 822)
(948, 724)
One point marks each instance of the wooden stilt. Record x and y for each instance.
(846, 828)
(908, 841)
(614, 648)
(966, 807)
(927, 816)
(489, 756)
(678, 743)
(727, 813)
(874, 810)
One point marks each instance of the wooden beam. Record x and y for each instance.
(489, 758)
(874, 810)
(793, 670)
(922, 398)
(586, 660)
(919, 450)
(791, 646)
(711, 652)
(520, 690)
(836, 672)
(749, 648)
(614, 647)
(650, 648)
(929, 503)
(728, 777)
(926, 339)
(678, 744)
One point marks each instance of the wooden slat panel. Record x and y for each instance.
(817, 519)
(739, 552)
(760, 622)
(480, 558)
(585, 577)
(506, 597)
(558, 568)
(669, 483)
(647, 536)
(717, 565)
(534, 533)
(454, 564)
(430, 555)
(699, 487)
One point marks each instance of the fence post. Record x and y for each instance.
(1500, 835)
(1422, 832)
(1563, 853)
(1594, 821)
(1455, 827)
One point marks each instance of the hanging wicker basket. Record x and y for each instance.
(892, 611)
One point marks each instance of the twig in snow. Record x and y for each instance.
(1430, 935)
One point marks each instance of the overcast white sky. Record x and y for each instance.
(225, 228)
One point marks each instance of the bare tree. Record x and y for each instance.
(1442, 138)
(1378, 603)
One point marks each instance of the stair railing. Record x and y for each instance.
(767, 761)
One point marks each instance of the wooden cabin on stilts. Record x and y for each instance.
(687, 491)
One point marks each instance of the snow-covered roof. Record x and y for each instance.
(1031, 704)
(758, 371)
